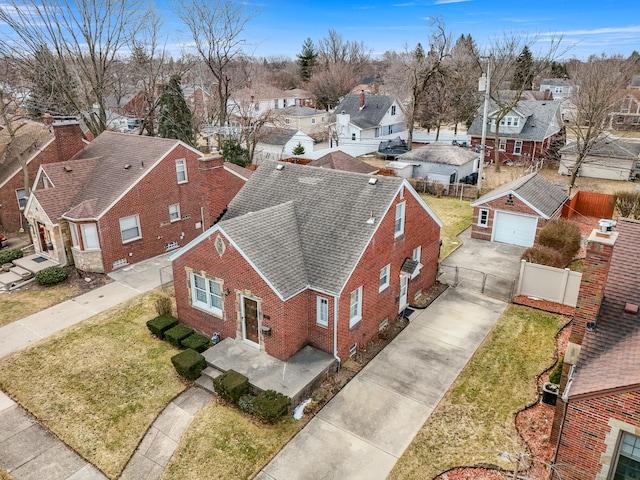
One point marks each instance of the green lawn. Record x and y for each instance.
(97, 385)
(223, 443)
(455, 215)
(475, 419)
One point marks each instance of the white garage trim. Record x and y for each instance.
(514, 228)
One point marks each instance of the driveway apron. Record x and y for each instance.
(365, 428)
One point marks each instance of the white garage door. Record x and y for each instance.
(514, 229)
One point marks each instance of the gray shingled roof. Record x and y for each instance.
(375, 107)
(556, 82)
(300, 111)
(440, 152)
(343, 161)
(542, 121)
(533, 189)
(608, 147)
(321, 212)
(276, 136)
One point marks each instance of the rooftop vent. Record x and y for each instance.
(606, 225)
(280, 167)
(631, 308)
(127, 166)
(373, 181)
(67, 169)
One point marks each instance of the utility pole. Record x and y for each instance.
(484, 85)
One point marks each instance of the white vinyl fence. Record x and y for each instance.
(549, 283)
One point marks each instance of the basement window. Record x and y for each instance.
(120, 263)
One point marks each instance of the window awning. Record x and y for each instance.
(409, 267)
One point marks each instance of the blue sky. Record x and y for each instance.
(588, 26)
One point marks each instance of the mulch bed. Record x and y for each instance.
(83, 281)
(545, 305)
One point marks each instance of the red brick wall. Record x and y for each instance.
(484, 233)
(150, 199)
(68, 139)
(583, 435)
(530, 150)
(293, 323)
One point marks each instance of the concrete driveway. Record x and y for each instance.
(365, 428)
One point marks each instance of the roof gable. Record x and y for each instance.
(375, 108)
(339, 160)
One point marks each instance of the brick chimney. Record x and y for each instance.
(361, 99)
(68, 139)
(548, 95)
(213, 191)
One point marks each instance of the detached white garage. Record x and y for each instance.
(514, 228)
(514, 212)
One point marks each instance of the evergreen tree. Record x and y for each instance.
(233, 152)
(174, 119)
(559, 70)
(307, 59)
(298, 149)
(523, 75)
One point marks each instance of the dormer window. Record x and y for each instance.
(510, 121)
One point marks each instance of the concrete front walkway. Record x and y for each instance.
(365, 428)
(129, 282)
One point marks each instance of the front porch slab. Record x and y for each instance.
(34, 263)
(294, 378)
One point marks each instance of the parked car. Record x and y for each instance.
(3, 241)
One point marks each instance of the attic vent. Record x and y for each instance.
(631, 308)
(280, 167)
(67, 169)
(373, 181)
(127, 166)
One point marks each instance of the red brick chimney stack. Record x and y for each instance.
(361, 99)
(212, 187)
(68, 139)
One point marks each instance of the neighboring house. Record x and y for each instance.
(338, 160)
(308, 256)
(36, 144)
(626, 112)
(279, 143)
(262, 100)
(363, 121)
(525, 134)
(560, 88)
(514, 212)
(609, 158)
(368, 85)
(309, 120)
(596, 423)
(200, 102)
(126, 198)
(441, 162)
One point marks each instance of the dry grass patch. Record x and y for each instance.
(475, 419)
(4, 475)
(97, 385)
(223, 443)
(455, 215)
(21, 303)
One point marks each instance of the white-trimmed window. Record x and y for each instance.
(313, 121)
(181, 171)
(174, 212)
(558, 90)
(353, 137)
(399, 226)
(384, 278)
(355, 307)
(74, 235)
(483, 217)
(393, 109)
(417, 253)
(90, 236)
(322, 311)
(287, 121)
(206, 294)
(502, 145)
(628, 461)
(21, 195)
(130, 228)
(517, 147)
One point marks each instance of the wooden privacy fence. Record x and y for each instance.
(589, 204)
(549, 283)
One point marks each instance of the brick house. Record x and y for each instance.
(526, 133)
(597, 425)
(36, 144)
(516, 211)
(308, 256)
(126, 198)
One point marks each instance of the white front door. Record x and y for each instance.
(404, 280)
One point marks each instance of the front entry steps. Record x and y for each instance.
(205, 380)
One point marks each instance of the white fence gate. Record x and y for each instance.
(549, 283)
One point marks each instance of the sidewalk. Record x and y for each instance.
(366, 427)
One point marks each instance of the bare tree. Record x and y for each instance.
(84, 38)
(216, 28)
(504, 54)
(599, 84)
(333, 49)
(332, 83)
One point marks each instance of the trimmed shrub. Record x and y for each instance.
(556, 373)
(9, 256)
(562, 236)
(197, 342)
(189, 364)
(231, 385)
(270, 405)
(627, 204)
(164, 306)
(51, 275)
(159, 325)
(543, 256)
(245, 403)
(176, 334)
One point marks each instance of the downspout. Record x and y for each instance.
(564, 399)
(335, 332)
